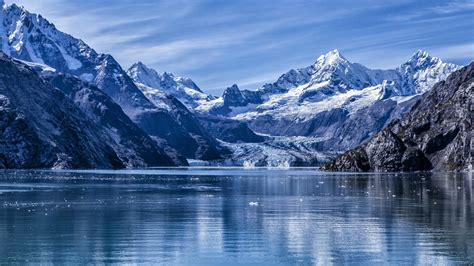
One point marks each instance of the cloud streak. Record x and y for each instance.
(218, 43)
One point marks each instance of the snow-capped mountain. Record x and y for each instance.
(330, 106)
(155, 85)
(333, 81)
(435, 135)
(326, 108)
(341, 102)
(30, 37)
(41, 128)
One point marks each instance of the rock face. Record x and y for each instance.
(41, 128)
(30, 37)
(229, 130)
(150, 81)
(134, 147)
(182, 130)
(437, 134)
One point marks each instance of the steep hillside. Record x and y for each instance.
(437, 134)
(41, 128)
(30, 37)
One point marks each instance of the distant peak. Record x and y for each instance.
(334, 52)
(138, 64)
(231, 90)
(234, 86)
(140, 67)
(331, 57)
(422, 57)
(420, 54)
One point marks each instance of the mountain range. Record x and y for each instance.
(329, 107)
(30, 37)
(142, 118)
(437, 134)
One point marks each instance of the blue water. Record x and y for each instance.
(235, 216)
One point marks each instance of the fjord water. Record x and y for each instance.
(235, 216)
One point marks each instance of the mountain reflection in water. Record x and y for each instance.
(235, 216)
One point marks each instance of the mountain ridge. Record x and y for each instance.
(41, 128)
(335, 101)
(30, 37)
(437, 134)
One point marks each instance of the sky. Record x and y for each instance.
(247, 42)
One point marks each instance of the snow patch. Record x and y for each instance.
(72, 63)
(88, 77)
(32, 54)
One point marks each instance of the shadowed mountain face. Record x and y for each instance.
(229, 130)
(436, 134)
(32, 38)
(135, 147)
(41, 128)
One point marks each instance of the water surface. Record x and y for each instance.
(235, 216)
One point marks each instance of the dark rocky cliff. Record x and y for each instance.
(435, 135)
(41, 128)
(134, 147)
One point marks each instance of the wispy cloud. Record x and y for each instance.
(452, 52)
(218, 43)
(435, 11)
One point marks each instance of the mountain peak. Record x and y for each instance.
(331, 58)
(422, 58)
(139, 66)
(233, 96)
(420, 54)
(334, 52)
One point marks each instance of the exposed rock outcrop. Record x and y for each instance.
(41, 128)
(229, 130)
(134, 147)
(435, 135)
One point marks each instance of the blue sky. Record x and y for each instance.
(220, 42)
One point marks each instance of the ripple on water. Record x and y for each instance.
(231, 216)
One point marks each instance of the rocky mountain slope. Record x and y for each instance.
(329, 107)
(159, 87)
(154, 84)
(331, 98)
(41, 128)
(30, 37)
(135, 148)
(437, 134)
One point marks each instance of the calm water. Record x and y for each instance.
(235, 216)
